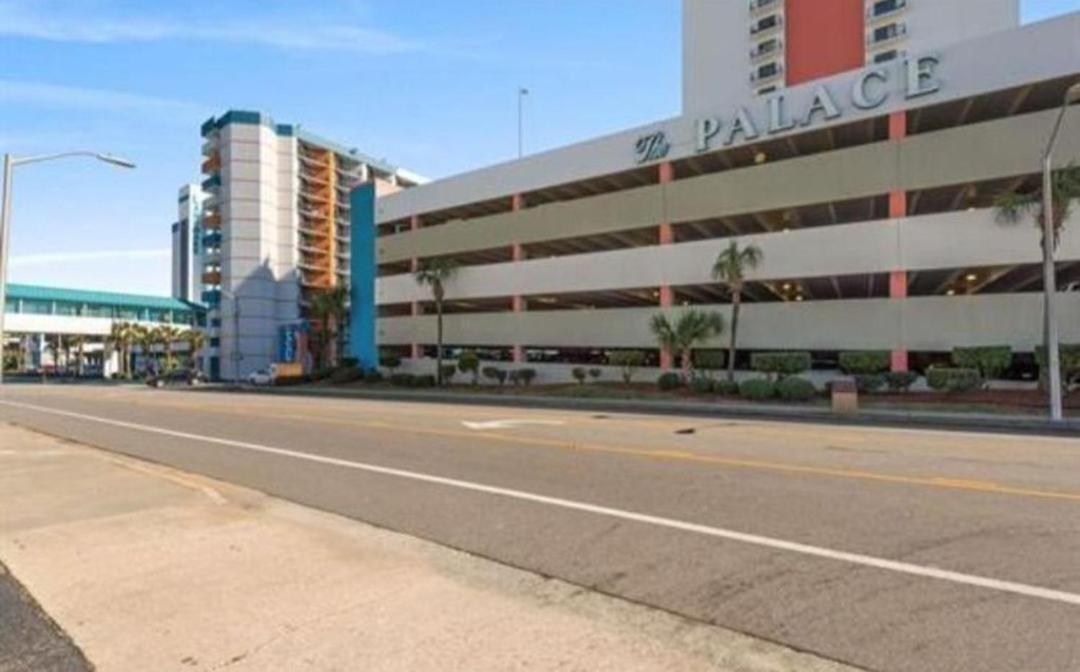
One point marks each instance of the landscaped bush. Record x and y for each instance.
(595, 373)
(346, 374)
(580, 374)
(526, 376)
(865, 362)
(701, 385)
(629, 361)
(669, 381)
(795, 389)
(373, 377)
(320, 374)
(990, 362)
(389, 361)
(494, 374)
(953, 379)
(1070, 362)
(780, 364)
(401, 379)
(728, 388)
(448, 371)
(426, 380)
(758, 389)
(469, 362)
(869, 383)
(900, 381)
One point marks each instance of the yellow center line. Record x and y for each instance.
(649, 453)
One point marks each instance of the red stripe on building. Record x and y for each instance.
(824, 37)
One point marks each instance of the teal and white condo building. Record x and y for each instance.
(273, 231)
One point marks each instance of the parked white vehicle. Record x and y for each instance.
(261, 377)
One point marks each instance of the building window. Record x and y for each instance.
(767, 23)
(886, 56)
(66, 308)
(883, 7)
(888, 32)
(98, 310)
(37, 307)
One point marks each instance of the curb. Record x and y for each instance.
(977, 422)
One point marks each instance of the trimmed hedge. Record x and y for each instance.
(780, 363)
(448, 372)
(796, 389)
(495, 374)
(758, 389)
(469, 362)
(669, 381)
(373, 376)
(401, 379)
(869, 383)
(953, 379)
(580, 374)
(864, 362)
(990, 362)
(728, 388)
(346, 374)
(701, 385)
(900, 381)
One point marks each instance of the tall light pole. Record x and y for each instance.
(522, 93)
(1053, 354)
(10, 162)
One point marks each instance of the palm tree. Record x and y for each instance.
(435, 273)
(122, 336)
(79, 342)
(730, 270)
(329, 308)
(1013, 207)
(196, 341)
(146, 339)
(167, 336)
(690, 329)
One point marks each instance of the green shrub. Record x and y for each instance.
(669, 381)
(758, 389)
(448, 372)
(346, 374)
(869, 383)
(795, 389)
(426, 380)
(990, 362)
(350, 361)
(1070, 363)
(401, 379)
(580, 374)
(953, 379)
(373, 376)
(900, 381)
(526, 376)
(469, 362)
(595, 373)
(780, 363)
(320, 374)
(629, 361)
(728, 388)
(864, 362)
(701, 385)
(389, 360)
(494, 374)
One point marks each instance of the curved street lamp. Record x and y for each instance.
(10, 162)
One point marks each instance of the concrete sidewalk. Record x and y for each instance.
(147, 568)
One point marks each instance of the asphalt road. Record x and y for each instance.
(29, 640)
(888, 549)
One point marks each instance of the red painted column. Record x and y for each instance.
(518, 254)
(898, 278)
(414, 265)
(666, 236)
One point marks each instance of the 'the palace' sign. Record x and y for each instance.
(869, 91)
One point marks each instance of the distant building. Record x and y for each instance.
(40, 320)
(275, 231)
(188, 244)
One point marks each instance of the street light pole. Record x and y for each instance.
(1053, 352)
(236, 356)
(10, 162)
(522, 92)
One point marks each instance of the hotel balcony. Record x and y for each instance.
(212, 164)
(212, 222)
(211, 278)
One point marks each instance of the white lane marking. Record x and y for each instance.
(509, 424)
(670, 523)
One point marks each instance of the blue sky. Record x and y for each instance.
(429, 85)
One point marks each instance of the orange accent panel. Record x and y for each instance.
(898, 203)
(824, 37)
(900, 360)
(898, 125)
(667, 234)
(898, 285)
(667, 173)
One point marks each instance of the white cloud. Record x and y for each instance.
(50, 258)
(54, 95)
(56, 22)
